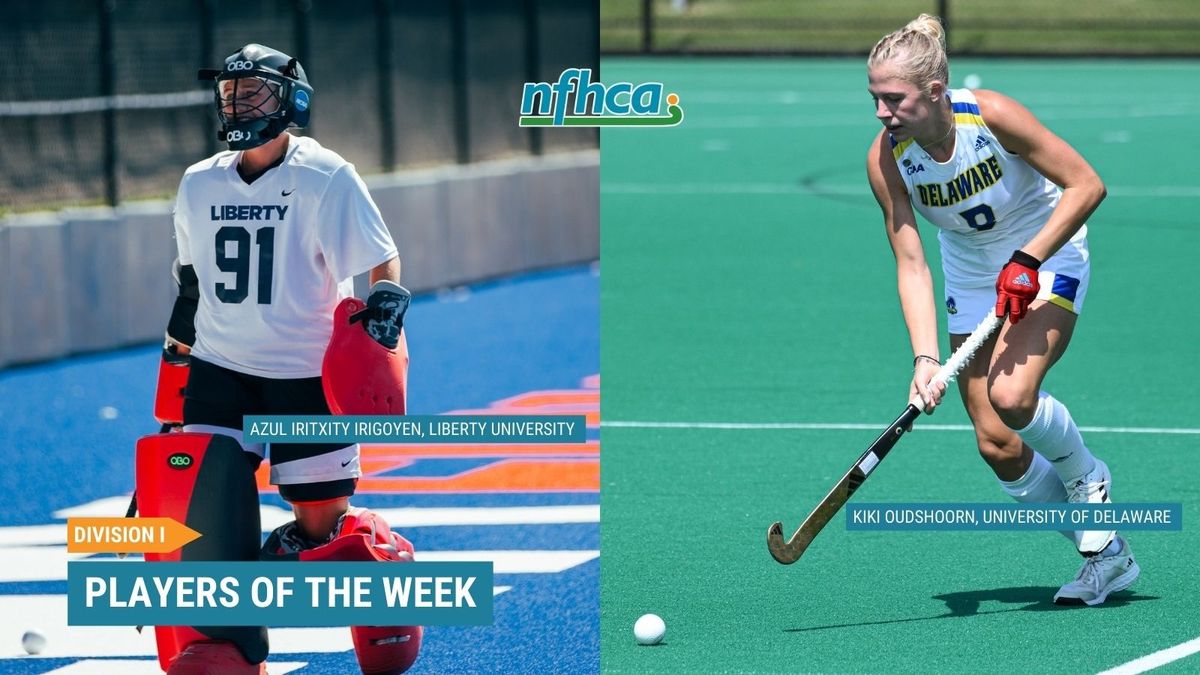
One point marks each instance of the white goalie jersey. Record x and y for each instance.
(274, 257)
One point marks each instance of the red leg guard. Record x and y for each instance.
(365, 536)
(204, 482)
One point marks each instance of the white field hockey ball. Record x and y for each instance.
(33, 641)
(649, 630)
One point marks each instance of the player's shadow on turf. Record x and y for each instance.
(1031, 599)
(968, 603)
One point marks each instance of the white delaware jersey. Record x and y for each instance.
(275, 257)
(986, 201)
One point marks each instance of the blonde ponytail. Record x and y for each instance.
(917, 52)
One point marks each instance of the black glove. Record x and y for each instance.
(384, 316)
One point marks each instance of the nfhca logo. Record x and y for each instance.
(596, 105)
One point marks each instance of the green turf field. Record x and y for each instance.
(747, 279)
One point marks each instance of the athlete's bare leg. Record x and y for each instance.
(999, 387)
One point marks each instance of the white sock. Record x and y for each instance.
(1039, 485)
(1113, 548)
(1053, 433)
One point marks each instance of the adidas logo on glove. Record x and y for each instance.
(1023, 280)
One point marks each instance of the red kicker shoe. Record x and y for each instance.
(360, 535)
(214, 658)
(386, 650)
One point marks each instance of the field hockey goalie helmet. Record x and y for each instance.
(259, 93)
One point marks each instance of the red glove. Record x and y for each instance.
(1017, 285)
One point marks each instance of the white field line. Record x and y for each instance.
(514, 562)
(1159, 658)
(835, 426)
(841, 97)
(49, 563)
(1119, 191)
(274, 516)
(699, 121)
(150, 666)
(48, 613)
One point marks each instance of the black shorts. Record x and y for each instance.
(218, 396)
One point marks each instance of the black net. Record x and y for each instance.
(99, 98)
(495, 72)
(50, 157)
(565, 41)
(421, 82)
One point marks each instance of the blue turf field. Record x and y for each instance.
(69, 427)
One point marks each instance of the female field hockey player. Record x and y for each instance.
(1010, 200)
(270, 235)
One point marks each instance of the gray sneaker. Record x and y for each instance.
(1092, 488)
(1099, 577)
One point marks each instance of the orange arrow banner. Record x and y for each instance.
(127, 535)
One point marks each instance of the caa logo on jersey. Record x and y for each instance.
(908, 166)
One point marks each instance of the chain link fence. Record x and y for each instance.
(99, 100)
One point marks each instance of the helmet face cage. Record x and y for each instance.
(259, 93)
(244, 98)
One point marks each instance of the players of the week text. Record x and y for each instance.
(424, 429)
(279, 593)
(988, 517)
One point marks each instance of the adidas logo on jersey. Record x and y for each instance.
(247, 212)
(1023, 280)
(981, 142)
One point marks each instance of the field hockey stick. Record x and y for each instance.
(788, 552)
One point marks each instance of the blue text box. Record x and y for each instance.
(420, 429)
(108, 593)
(992, 517)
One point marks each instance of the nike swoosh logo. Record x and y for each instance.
(347, 462)
(287, 192)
